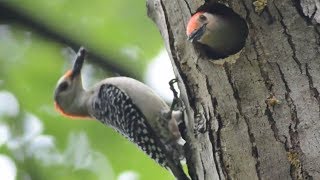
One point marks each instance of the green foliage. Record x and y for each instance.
(30, 66)
(110, 27)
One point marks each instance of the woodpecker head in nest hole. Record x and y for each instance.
(218, 30)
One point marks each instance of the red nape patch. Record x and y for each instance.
(193, 23)
(72, 116)
(68, 73)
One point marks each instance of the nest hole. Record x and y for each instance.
(234, 41)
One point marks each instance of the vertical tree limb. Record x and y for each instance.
(231, 132)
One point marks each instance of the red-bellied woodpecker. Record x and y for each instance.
(131, 108)
(219, 30)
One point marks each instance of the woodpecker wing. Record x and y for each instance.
(133, 109)
(147, 101)
(114, 108)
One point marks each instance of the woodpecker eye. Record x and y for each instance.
(63, 86)
(202, 17)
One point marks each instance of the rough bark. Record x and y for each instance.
(231, 132)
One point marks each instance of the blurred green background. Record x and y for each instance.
(34, 138)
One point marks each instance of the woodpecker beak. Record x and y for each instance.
(77, 66)
(197, 34)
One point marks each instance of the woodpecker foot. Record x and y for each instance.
(171, 83)
(177, 103)
(172, 119)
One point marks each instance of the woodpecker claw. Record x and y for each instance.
(177, 102)
(171, 82)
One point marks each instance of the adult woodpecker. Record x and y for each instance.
(218, 29)
(128, 106)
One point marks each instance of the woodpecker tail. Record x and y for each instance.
(175, 153)
(178, 172)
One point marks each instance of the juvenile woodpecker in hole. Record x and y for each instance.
(128, 106)
(218, 29)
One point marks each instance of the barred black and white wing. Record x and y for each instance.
(114, 108)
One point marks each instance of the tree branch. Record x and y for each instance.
(9, 14)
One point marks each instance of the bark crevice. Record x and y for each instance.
(295, 153)
(289, 38)
(217, 153)
(188, 6)
(215, 150)
(314, 91)
(274, 128)
(204, 169)
(236, 96)
(219, 148)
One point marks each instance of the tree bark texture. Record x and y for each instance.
(232, 132)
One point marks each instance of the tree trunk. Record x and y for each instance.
(233, 130)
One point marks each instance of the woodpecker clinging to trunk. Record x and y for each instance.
(218, 29)
(128, 106)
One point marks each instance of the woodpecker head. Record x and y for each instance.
(218, 28)
(198, 24)
(67, 95)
